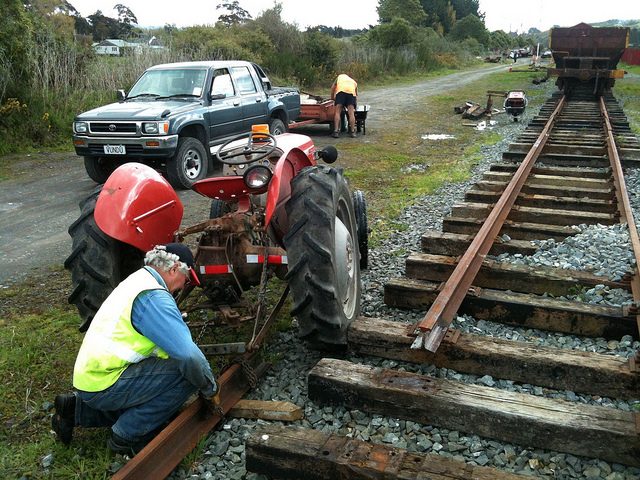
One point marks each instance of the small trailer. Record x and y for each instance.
(317, 110)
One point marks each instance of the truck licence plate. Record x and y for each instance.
(114, 149)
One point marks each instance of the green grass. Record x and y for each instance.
(627, 91)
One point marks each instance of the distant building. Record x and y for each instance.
(117, 47)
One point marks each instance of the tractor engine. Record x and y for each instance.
(231, 254)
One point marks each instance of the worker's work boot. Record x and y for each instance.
(352, 133)
(335, 134)
(63, 419)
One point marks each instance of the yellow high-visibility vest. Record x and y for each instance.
(112, 344)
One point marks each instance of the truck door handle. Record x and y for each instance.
(258, 100)
(236, 103)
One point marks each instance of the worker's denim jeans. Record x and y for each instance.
(145, 396)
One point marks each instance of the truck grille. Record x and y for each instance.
(113, 127)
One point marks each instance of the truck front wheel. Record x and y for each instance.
(99, 168)
(188, 165)
(322, 248)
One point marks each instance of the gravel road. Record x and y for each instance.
(37, 206)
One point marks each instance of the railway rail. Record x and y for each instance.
(564, 169)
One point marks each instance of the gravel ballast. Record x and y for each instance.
(224, 455)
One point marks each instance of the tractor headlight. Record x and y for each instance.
(155, 128)
(257, 176)
(80, 127)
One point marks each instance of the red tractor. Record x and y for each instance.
(274, 212)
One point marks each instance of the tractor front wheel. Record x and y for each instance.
(98, 263)
(322, 249)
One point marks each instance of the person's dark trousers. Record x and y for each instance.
(145, 397)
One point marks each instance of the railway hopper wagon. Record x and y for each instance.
(586, 55)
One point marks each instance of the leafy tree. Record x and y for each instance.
(467, 7)
(236, 15)
(125, 15)
(397, 33)
(409, 10)
(500, 40)
(321, 50)
(16, 30)
(470, 27)
(284, 36)
(441, 15)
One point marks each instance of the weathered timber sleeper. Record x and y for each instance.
(561, 369)
(295, 453)
(599, 432)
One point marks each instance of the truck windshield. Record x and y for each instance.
(173, 82)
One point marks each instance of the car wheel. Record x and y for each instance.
(189, 165)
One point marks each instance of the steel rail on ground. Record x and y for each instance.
(163, 454)
(433, 327)
(624, 205)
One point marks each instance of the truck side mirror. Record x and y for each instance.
(121, 95)
(217, 96)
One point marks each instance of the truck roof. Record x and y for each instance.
(207, 64)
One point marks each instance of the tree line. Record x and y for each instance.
(49, 71)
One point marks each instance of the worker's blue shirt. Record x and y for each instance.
(156, 316)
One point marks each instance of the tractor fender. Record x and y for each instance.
(137, 206)
(288, 166)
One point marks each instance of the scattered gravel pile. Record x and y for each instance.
(223, 456)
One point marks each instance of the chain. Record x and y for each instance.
(248, 371)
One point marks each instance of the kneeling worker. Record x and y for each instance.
(138, 363)
(344, 92)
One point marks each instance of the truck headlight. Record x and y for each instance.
(80, 127)
(155, 128)
(257, 176)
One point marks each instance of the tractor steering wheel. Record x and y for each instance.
(251, 152)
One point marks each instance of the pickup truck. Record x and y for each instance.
(175, 113)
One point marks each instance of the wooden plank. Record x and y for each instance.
(507, 276)
(562, 160)
(561, 369)
(295, 453)
(556, 180)
(475, 195)
(516, 230)
(553, 190)
(605, 433)
(276, 410)
(442, 243)
(604, 174)
(519, 309)
(552, 149)
(536, 215)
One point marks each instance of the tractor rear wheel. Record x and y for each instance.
(98, 263)
(322, 249)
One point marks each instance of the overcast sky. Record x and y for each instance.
(508, 15)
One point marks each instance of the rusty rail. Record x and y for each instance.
(159, 458)
(433, 327)
(624, 205)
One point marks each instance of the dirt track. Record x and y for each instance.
(37, 206)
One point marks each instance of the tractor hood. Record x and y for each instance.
(147, 110)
